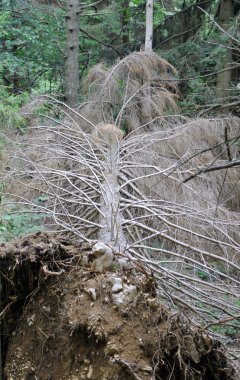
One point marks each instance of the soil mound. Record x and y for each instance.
(62, 320)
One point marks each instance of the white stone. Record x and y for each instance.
(125, 296)
(92, 293)
(119, 299)
(104, 257)
(101, 264)
(123, 263)
(117, 285)
(90, 371)
(100, 247)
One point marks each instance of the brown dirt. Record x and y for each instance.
(55, 329)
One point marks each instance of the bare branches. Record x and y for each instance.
(133, 193)
(220, 28)
(208, 169)
(100, 42)
(222, 321)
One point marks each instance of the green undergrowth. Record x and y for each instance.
(231, 330)
(18, 221)
(9, 110)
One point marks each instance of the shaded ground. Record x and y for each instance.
(63, 320)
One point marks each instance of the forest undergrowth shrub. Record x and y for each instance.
(9, 110)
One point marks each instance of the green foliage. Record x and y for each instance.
(199, 59)
(4, 20)
(203, 274)
(106, 26)
(159, 14)
(29, 45)
(231, 330)
(32, 43)
(9, 108)
(223, 326)
(15, 221)
(195, 61)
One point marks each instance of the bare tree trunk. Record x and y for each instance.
(72, 52)
(149, 26)
(111, 217)
(224, 77)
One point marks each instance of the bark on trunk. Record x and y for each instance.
(111, 217)
(224, 77)
(72, 53)
(149, 26)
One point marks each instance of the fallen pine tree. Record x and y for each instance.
(114, 177)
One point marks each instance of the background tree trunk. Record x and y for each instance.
(224, 77)
(125, 22)
(149, 26)
(72, 53)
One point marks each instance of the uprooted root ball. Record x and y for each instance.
(80, 324)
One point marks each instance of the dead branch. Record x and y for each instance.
(221, 322)
(100, 42)
(228, 165)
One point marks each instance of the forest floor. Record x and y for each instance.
(64, 321)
